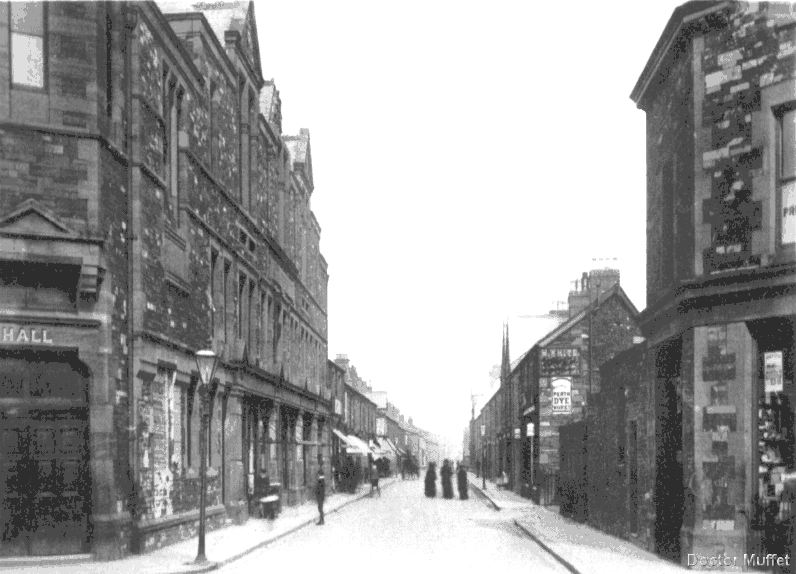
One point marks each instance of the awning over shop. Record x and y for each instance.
(380, 450)
(392, 447)
(340, 435)
(352, 444)
(359, 445)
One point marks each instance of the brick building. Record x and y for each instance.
(560, 373)
(150, 206)
(718, 92)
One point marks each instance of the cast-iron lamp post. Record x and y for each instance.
(206, 364)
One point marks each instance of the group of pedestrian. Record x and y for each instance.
(446, 475)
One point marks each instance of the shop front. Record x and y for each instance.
(774, 490)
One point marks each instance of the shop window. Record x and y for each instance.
(34, 285)
(27, 44)
(775, 503)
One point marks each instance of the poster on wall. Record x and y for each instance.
(788, 213)
(562, 396)
(773, 371)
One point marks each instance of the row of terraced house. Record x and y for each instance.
(685, 442)
(150, 207)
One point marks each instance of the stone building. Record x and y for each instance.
(559, 374)
(718, 93)
(549, 385)
(608, 461)
(150, 206)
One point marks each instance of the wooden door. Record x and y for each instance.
(45, 482)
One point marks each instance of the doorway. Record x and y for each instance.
(669, 496)
(45, 488)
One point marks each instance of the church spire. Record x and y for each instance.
(505, 363)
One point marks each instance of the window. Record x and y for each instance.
(172, 116)
(34, 285)
(190, 421)
(249, 327)
(261, 325)
(27, 44)
(225, 287)
(212, 287)
(171, 408)
(108, 60)
(786, 176)
(212, 114)
(239, 309)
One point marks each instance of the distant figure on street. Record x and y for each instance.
(446, 473)
(374, 478)
(431, 480)
(461, 482)
(320, 493)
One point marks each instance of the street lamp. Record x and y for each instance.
(206, 364)
(483, 450)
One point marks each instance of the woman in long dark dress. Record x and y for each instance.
(431, 480)
(461, 482)
(447, 484)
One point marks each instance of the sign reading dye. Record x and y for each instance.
(562, 396)
(24, 335)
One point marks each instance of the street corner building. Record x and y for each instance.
(695, 428)
(150, 206)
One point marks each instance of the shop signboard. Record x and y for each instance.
(562, 396)
(530, 430)
(517, 433)
(557, 361)
(773, 371)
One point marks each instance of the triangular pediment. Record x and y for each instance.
(31, 218)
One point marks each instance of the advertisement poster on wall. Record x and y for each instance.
(562, 396)
(789, 213)
(559, 361)
(773, 371)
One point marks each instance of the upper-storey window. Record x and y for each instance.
(787, 176)
(27, 44)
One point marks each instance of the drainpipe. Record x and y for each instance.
(130, 22)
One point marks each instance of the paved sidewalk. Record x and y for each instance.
(579, 547)
(223, 546)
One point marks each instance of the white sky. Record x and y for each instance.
(470, 159)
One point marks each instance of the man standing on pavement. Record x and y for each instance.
(320, 493)
(374, 478)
